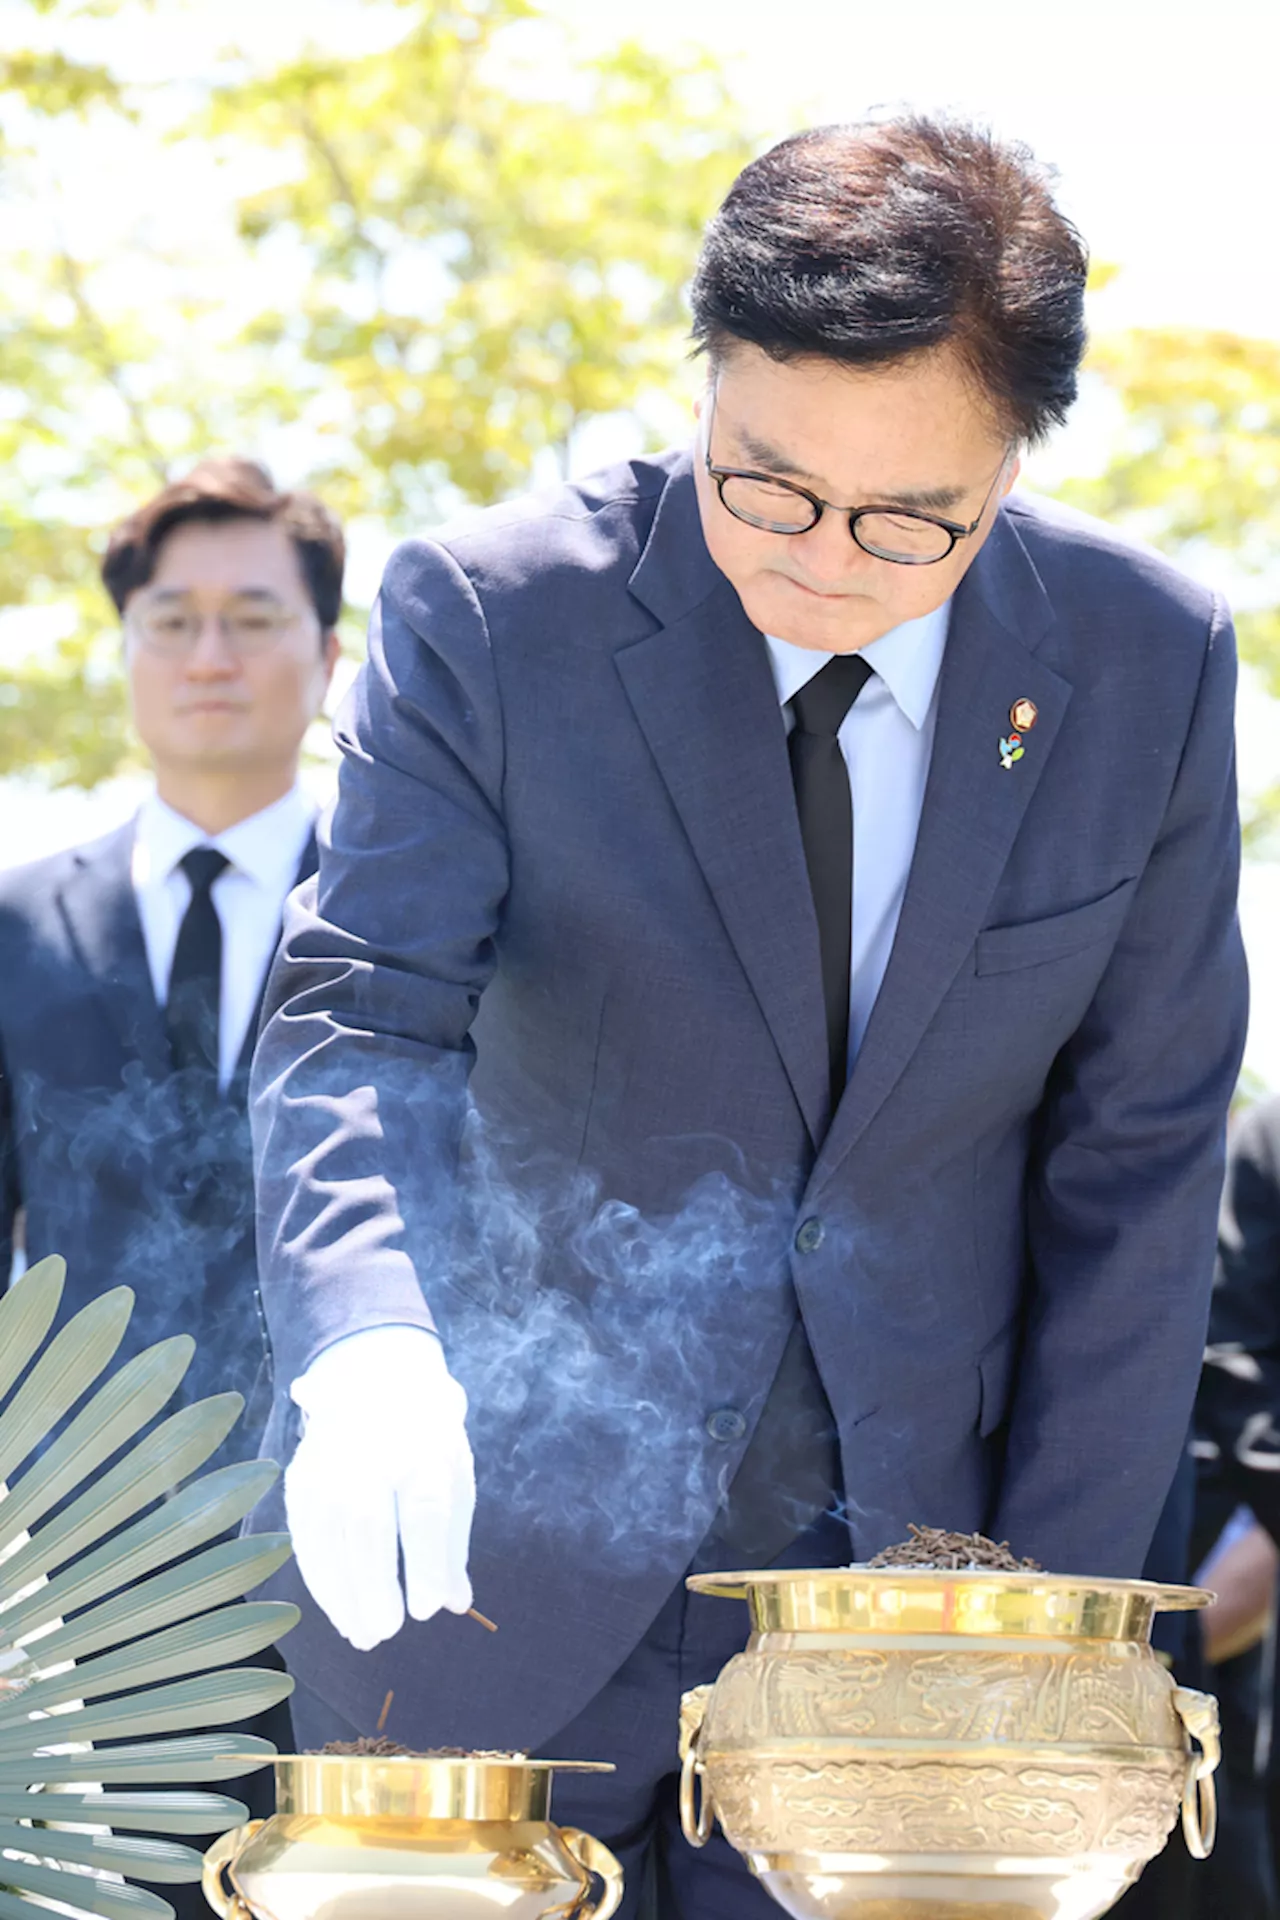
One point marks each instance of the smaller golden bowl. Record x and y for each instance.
(394, 1837)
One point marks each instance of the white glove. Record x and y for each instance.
(383, 1467)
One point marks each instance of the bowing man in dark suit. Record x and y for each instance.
(132, 968)
(820, 869)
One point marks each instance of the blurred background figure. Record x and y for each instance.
(1238, 1411)
(133, 966)
(1220, 1529)
(1238, 1505)
(1227, 1650)
(1239, 1668)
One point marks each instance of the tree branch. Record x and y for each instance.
(113, 372)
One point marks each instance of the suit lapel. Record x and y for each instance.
(973, 809)
(101, 913)
(703, 694)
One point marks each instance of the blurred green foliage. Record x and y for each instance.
(559, 239)
(446, 258)
(1195, 470)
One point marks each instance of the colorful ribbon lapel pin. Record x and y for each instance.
(1023, 715)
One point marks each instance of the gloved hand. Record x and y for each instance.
(383, 1467)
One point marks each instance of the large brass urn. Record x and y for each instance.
(912, 1744)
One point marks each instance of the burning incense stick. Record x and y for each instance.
(484, 1620)
(386, 1708)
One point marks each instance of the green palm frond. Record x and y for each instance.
(114, 1626)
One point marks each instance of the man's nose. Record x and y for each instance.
(829, 555)
(212, 657)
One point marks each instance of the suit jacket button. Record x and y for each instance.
(810, 1235)
(726, 1425)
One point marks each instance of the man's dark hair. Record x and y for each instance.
(227, 487)
(867, 243)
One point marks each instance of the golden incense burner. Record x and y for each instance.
(915, 1744)
(376, 1837)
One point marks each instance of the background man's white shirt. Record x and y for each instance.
(887, 743)
(264, 852)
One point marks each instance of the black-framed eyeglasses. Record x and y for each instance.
(903, 535)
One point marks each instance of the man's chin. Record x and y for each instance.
(212, 752)
(839, 624)
(215, 729)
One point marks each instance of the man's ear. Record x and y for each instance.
(330, 654)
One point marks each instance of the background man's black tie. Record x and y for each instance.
(195, 981)
(216, 1183)
(825, 807)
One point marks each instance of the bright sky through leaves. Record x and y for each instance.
(1158, 114)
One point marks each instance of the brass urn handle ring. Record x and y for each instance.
(595, 1858)
(697, 1816)
(222, 1854)
(1199, 1715)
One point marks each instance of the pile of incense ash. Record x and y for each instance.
(378, 1747)
(945, 1552)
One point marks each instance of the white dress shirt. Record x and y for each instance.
(887, 741)
(264, 852)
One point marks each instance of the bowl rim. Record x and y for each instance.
(736, 1585)
(522, 1762)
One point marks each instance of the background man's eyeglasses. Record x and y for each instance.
(250, 624)
(902, 535)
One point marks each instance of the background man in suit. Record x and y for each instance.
(132, 968)
(1238, 1407)
(1238, 1440)
(670, 805)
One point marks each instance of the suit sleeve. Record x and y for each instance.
(359, 1080)
(1125, 1181)
(1238, 1406)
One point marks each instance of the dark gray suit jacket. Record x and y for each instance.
(96, 1148)
(566, 853)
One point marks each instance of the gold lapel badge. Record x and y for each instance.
(1023, 715)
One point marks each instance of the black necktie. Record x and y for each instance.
(825, 806)
(195, 981)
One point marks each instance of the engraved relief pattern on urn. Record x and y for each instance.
(1002, 1697)
(927, 1806)
(1084, 1698)
(799, 1695)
